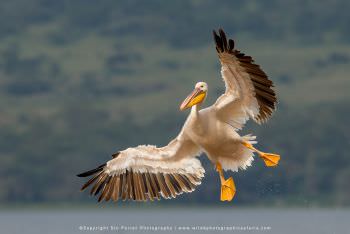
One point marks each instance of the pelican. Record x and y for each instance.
(147, 172)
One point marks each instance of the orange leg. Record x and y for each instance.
(271, 160)
(228, 187)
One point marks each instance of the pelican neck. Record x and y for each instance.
(195, 109)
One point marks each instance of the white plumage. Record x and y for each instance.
(146, 172)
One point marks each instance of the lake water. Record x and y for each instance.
(178, 220)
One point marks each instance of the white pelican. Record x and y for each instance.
(147, 172)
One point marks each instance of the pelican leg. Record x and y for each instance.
(228, 187)
(271, 160)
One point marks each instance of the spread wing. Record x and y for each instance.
(147, 173)
(248, 93)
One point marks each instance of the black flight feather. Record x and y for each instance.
(91, 172)
(223, 39)
(218, 42)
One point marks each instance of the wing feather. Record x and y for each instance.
(147, 172)
(249, 92)
(112, 188)
(151, 194)
(123, 189)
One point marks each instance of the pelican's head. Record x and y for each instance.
(197, 96)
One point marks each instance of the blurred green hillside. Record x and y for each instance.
(83, 79)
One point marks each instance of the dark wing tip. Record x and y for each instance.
(222, 44)
(231, 45)
(221, 31)
(218, 42)
(93, 171)
(223, 39)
